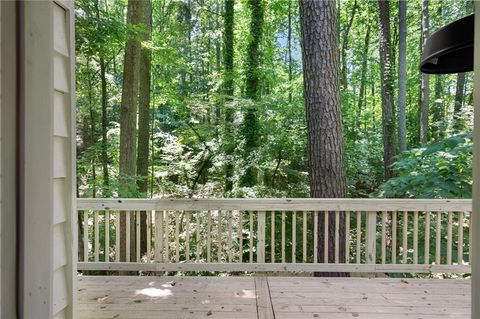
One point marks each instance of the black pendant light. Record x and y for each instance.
(450, 49)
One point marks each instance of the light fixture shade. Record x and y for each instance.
(450, 49)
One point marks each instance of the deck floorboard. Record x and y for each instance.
(112, 297)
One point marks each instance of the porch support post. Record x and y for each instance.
(475, 229)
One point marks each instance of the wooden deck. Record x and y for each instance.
(271, 297)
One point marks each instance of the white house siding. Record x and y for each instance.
(62, 163)
(50, 273)
(63, 146)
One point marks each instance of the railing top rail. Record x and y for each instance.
(278, 204)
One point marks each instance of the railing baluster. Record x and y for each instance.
(405, 238)
(261, 237)
(337, 237)
(177, 237)
(85, 235)
(427, 238)
(394, 237)
(283, 237)
(96, 230)
(149, 235)
(197, 237)
(415, 237)
(272, 237)
(325, 237)
(127, 235)
(359, 236)
(137, 233)
(438, 239)
(371, 237)
(250, 251)
(159, 240)
(187, 236)
(315, 237)
(209, 236)
(229, 236)
(384, 237)
(294, 237)
(166, 235)
(219, 236)
(117, 237)
(460, 238)
(304, 237)
(240, 236)
(107, 236)
(449, 238)
(347, 237)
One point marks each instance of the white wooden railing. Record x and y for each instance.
(382, 235)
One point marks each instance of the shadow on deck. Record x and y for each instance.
(271, 297)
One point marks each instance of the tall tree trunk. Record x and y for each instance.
(425, 83)
(104, 98)
(402, 75)
(228, 90)
(344, 49)
(363, 77)
(388, 110)
(252, 92)
(128, 122)
(438, 114)
(218, 66)
(458, 122)
(324, 120)
(289, 48)
(438, 111)
(144, 119)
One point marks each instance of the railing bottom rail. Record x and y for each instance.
(273, 267)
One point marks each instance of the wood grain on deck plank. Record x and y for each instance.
(103, 297)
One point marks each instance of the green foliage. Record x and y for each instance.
(440, 170)
(188, 142)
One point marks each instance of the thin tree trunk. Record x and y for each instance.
(388, 111)
(363, 77)
(324, 120)
(458, 122)
(228, 88)
(144, 120)
(289, 48)
(425, 82)
(252, 92)
(104, 98)
(344, 48)
(402, 76)
(218, 66)
(128, 123)
(438, 114)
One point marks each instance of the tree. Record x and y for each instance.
(104, 98)
(386, 78)
(402, 75)
(228, 90)
(318, 20)
(438, 113)
(128, 121)
(144, 117)
(458, 122)
(425, 80)
(344, 47)
(250, 128)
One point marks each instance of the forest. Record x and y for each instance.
(268, 98)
